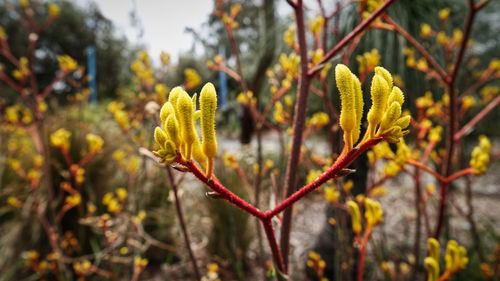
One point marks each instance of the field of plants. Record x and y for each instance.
(308, 140)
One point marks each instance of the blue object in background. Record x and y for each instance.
(92, 71)
(222, 82)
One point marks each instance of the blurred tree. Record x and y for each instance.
(73, 31)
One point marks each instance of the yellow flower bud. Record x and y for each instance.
(379, 93)
(356, 217)
(396, 95)
(172, 129)
(385, 74)
(390, 117)
(403, 122)
(433, 246)
(358, 105)
(343, 77)
(173, 96)
(432, 267)
(160, 137)
(185, 112)
(95, 143)
(208, 105)
(373, 212)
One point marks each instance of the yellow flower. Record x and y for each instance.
(60, 138)
(73, 200)
(289, 36)
(165, 58)
(95, 143)
(425, 30)
(480, 156)
(193, 79)
(331, 194)
(66, 63)
(355, 215)
(54, 10)
(121, 193)
(373, 212)
(444, 14)
(316, 25)
(3, 36)
(208, 105)
(368, 61)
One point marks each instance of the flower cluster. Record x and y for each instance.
(455, 259)
(384, 116)
(177, 137)
(480, 156)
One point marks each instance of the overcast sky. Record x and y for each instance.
(163, 21)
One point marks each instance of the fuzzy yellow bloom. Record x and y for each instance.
(24, 3)
(208, 105)
(82, 268)
(60, 138)
(345, 84)
(54, 10)
(185, 110)
(12, 114)
(379, 93)
(66, 63)
(355, 215)
(95, 143)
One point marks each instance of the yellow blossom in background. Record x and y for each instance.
(66, 63)
(54, 10)
(164, 58)
(435, 134)
(368, 61)
(316, 25)
(82, 268)
(348, 185)
(12, 114)
(60, 138)
(121, 193)
(480, 156)
(14, 202)
(331, 194)
(230, 160)
(140, 262)
(289, 36)
(73, 200)
(444, 14)
(312, 175)
(378, 191)
(318, 119)
(24, 3)
(95, 143)
(192, 78)
(290, 64)
(3, 36)
(425, 30)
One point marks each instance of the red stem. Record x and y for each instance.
(467, 128)
(362, 253)
(333, 171)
